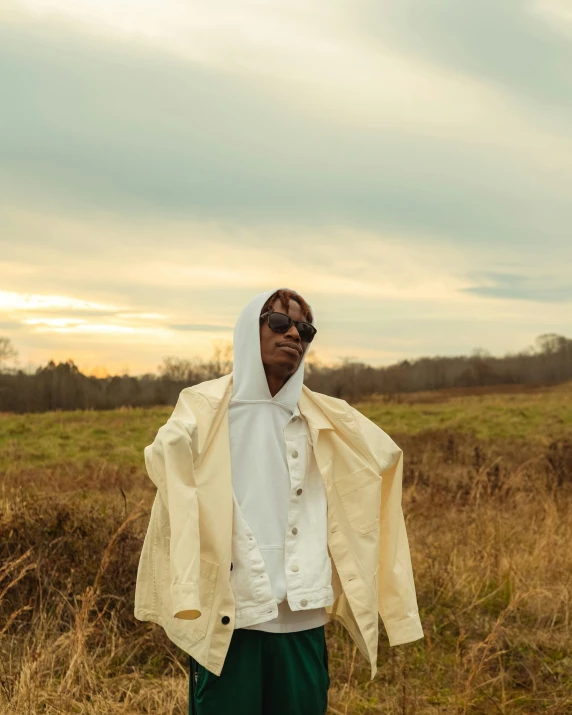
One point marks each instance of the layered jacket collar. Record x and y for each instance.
(320, 411)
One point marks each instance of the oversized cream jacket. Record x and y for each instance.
(183, 579)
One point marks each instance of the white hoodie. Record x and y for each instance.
(259, 466)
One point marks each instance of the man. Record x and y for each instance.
(277, 509)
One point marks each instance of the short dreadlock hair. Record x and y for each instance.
(286, 296)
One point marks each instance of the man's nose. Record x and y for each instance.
(293, 334)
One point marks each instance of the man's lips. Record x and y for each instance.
(291, 348)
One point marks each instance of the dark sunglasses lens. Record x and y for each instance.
(279, 322)
(306, 332)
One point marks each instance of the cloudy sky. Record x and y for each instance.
(405, 164)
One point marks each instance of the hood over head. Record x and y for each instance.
(249, 379)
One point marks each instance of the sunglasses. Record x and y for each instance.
(280, 323)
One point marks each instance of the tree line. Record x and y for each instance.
(63, 386)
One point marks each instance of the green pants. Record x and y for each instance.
(265, 674)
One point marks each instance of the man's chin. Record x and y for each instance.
(286, 364)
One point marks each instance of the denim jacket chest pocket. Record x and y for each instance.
(313, 476)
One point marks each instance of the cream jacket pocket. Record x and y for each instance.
(198, 626)
(360, 493)
(194, 628)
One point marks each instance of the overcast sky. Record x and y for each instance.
(406, 165)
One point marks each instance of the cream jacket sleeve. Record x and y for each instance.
(169, 463)
(397, 599)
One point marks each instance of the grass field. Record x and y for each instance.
(488, 504)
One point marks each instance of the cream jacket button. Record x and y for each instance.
(298, 492)
(294, 530)
(294, 453)
(294, 568)
(303, 602)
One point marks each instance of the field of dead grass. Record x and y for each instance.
(488, 503)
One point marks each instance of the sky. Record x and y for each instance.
(405, 166)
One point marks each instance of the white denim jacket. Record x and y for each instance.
(302, 573)
(183, 580)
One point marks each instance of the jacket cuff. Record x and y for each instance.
(404, 631)
(186, 601)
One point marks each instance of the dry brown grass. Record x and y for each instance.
(490, 525)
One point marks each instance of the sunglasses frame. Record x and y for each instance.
(292, 322)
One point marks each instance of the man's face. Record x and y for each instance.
(282, 350)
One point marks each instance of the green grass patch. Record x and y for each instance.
(80, 437)
(540, 417)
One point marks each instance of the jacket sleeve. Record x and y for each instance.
(169, 463)
(397, 598)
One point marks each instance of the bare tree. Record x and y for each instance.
(7, 352)
(179, 369)
(193, 370)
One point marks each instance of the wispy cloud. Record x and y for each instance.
(201, 327)
(556, 13)
(10, 300)
(530, 288)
